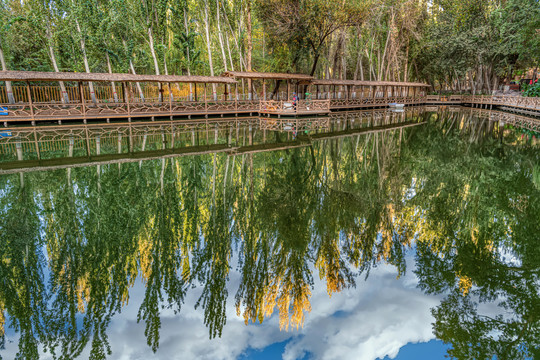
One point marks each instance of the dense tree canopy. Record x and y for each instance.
(459, 45)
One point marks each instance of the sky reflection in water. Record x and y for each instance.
(248, 221)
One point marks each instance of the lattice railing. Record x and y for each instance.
(301, 106)
(103, 110)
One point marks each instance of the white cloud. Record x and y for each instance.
(382, 315)
(370, 321)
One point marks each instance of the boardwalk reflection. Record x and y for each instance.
(333, 203)
(61, 146)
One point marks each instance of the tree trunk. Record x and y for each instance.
(141, 94)
(65, 97)
(242, 61)
(381, 59)
(222, 47)
(9, 89)
(220, 36)
(113, 87)
(249, 48)
(154, 57)
(85, 60)
(405, 70)
(188, 56)
(207, 30)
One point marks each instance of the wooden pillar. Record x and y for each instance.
(170, 99)
(264, 89)
(205, 100)
(236, 96)
(196, 98)
(126, 97)
(317, 90)
(82, 101)
(29, 93)
(288, 90)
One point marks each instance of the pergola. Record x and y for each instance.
(295, 79)
(375, 88)
(27, 76)
(79, 105)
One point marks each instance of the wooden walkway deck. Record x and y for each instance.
(58, 112)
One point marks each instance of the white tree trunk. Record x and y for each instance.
(65, 97)
(85, 60)
(113, 86)
(220, 37)
(141, 94)
(242, 62)
(188, 57)
(207, 30)
(9, 89)
(156, 65)
(249, 48)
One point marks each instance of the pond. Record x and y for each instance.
(350, 236)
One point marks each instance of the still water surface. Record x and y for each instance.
(347, 238)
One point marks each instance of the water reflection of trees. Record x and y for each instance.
(335, 209)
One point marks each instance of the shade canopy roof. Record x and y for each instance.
(266, 75)
(365, 83)
(72, 76)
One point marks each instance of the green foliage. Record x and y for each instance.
(531, 90)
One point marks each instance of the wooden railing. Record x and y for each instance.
(528, 103)
(76, 110)
(289, 107)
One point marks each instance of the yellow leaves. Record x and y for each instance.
(329, 266)
(291, 298)
(83, 294)
(145, 256)
(465, 284)
(2, 321)
(293, 316)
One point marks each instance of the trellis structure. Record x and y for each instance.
(280, 100)
(349, 94)
(121, 96)
(125, 104)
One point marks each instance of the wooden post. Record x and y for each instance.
(30, 102)
(317, 90)
(236, 96)
(288, 90)
(131, 136)
(126, 98)
(170, 98)
(205, 100)
(87, 141)
(82, 101)
(195, 86)
(36, 144)
(264, 89)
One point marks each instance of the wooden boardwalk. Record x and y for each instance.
(218, 95)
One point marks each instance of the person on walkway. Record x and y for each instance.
(294, 100)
